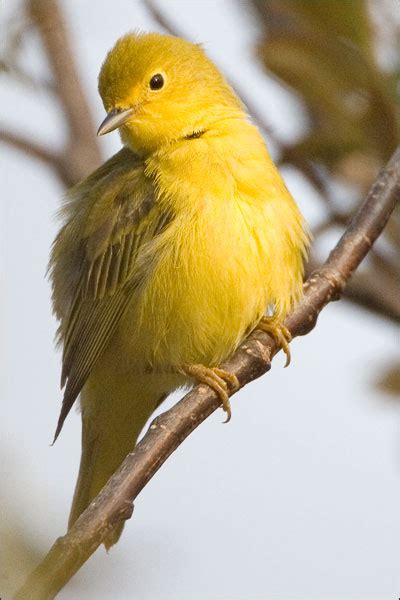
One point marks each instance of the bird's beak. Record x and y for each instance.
(115, 118)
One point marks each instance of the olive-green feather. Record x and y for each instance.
(118, 217)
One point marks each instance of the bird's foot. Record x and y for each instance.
(279, 332)
(219, 380)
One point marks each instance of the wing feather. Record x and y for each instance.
(118, 215)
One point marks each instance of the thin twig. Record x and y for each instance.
(82, 153)
(49, 157)
(26, 145)
(377, 292)
(162, 20)
(365, 290)
(169, 430)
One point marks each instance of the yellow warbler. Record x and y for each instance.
(170, 253)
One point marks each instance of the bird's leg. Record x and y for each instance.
(279, 332)
(218, 380)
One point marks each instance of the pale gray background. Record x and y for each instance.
(298, 497)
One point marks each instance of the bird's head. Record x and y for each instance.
(159, 88)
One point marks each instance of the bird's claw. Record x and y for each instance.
(221, 381)
(279, 332)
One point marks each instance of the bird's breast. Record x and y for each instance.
(205, 289)
(234, 246)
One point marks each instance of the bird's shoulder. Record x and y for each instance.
(103, 218)
(119, 187)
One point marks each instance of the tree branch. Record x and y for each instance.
(169, 430)
(27, 146)
(45, 155)
(375, 290)
(82, 154)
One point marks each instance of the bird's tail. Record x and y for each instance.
(113, 414)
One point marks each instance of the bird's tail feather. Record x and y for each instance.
(94, 471)
(111, 423)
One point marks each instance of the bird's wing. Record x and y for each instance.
(118, 218)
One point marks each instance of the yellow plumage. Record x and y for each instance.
(171, 252)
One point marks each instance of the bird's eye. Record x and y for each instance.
(156, 82)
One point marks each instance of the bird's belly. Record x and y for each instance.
(206, 292)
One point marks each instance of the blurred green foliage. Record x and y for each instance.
(326, 52)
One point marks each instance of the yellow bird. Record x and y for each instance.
(170, 253)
